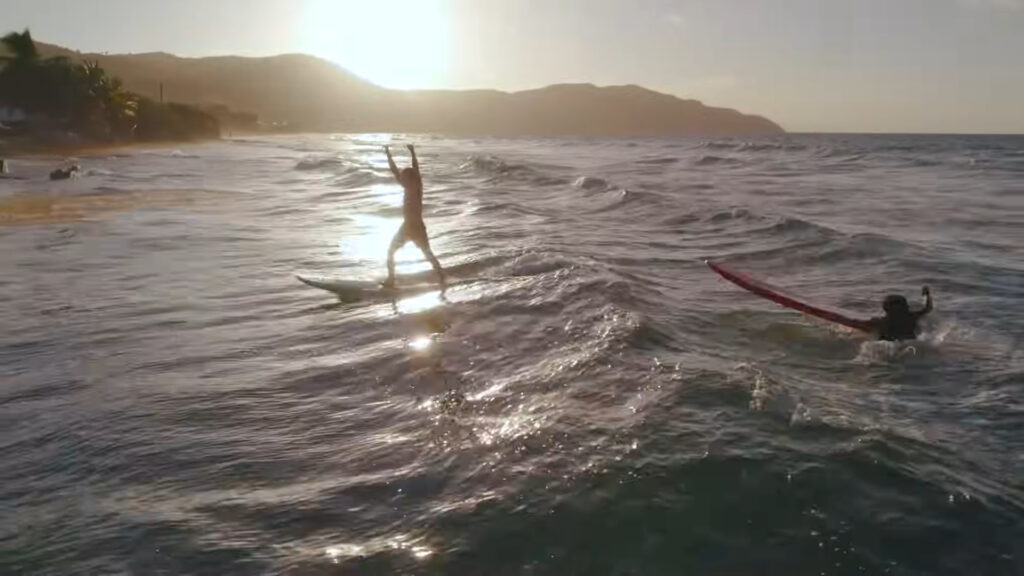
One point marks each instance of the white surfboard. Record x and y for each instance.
(354, 290)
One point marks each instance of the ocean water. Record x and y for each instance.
(587, 397)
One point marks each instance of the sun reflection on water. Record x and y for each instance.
(414, 547)
(421, 343)
(504, 428)
(371, 240)
(419, 303)
(341, 551)
(388, 194)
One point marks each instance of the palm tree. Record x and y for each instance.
(21, 49)
(58, 88)
(105, 109)
(19, 81)
(93, 87)
(80, 97)
(122, 107)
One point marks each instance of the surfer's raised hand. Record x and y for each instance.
(391, 162)
(928, 305)
(412, 151)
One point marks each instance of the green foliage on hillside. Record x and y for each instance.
(80, 97)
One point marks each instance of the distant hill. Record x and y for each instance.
(313, 94)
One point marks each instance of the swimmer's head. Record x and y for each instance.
(409, 177)
(894, 304)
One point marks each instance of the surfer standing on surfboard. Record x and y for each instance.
(413, 229)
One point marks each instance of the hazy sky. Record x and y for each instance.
(811, 65)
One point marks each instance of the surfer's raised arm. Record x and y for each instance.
(927, 302)
(415, 163)
(391, 163)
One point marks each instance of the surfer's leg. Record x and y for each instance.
(437, 265)
(419, 236)
(396, 243)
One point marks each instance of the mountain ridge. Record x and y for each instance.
(313, 94)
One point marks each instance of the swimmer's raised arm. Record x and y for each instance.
(927, 302)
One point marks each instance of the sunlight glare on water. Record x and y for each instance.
(371, 238)
(420, 344)
(387, 194)
(421, 303)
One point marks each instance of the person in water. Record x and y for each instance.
(65, 173)
(900, 322)
(413, 229)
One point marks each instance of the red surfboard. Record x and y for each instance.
(777, 295)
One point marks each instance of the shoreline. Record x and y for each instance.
(19, 148)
